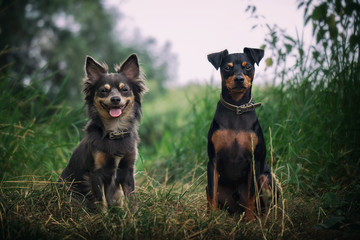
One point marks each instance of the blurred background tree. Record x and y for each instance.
(55, 36)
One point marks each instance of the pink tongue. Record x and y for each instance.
(115, 112)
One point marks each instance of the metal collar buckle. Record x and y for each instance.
(118, 134)
(244, 108)
(250, 106)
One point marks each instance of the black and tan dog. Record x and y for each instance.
(235, 138)
(105, 158)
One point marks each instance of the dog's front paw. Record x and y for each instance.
(102, 206)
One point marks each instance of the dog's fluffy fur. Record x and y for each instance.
(105, 158)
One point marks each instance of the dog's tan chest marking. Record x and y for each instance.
(247, 139)
(99, 159)
(226, 138)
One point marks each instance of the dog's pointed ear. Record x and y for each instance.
(93, 69)
(216, 58)
(254, 54)
(130, 68)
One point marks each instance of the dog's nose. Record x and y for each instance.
(239, 78)
(115, 100)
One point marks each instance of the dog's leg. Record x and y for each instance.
(269, 192)
(96, 181)
(114, 194)
(250, 198)
(118, 196)
(275, 193)
(129, 184)
(125, 176)
(265, 192)
(98, 191)
(212, 188)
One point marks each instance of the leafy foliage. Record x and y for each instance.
(57, 35)
(320, 92)
(335, 23)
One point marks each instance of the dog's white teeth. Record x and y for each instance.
(115, 112)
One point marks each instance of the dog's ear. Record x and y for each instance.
(93, 69)
(130, 68)
(254, 54)
(216, 58)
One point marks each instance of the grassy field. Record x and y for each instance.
(312, 134)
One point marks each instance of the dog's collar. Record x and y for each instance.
(113, 135)
(247, 107)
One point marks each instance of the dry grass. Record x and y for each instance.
(34, 209)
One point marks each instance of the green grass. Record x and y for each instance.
(185, 121)
(312, 135)
(37, 133)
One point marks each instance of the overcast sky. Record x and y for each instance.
(196, 28)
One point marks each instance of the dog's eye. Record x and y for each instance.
(104, 92)
(124, 89)
(227, 68)
(248, 68)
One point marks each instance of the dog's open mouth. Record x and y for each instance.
(114, 111)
